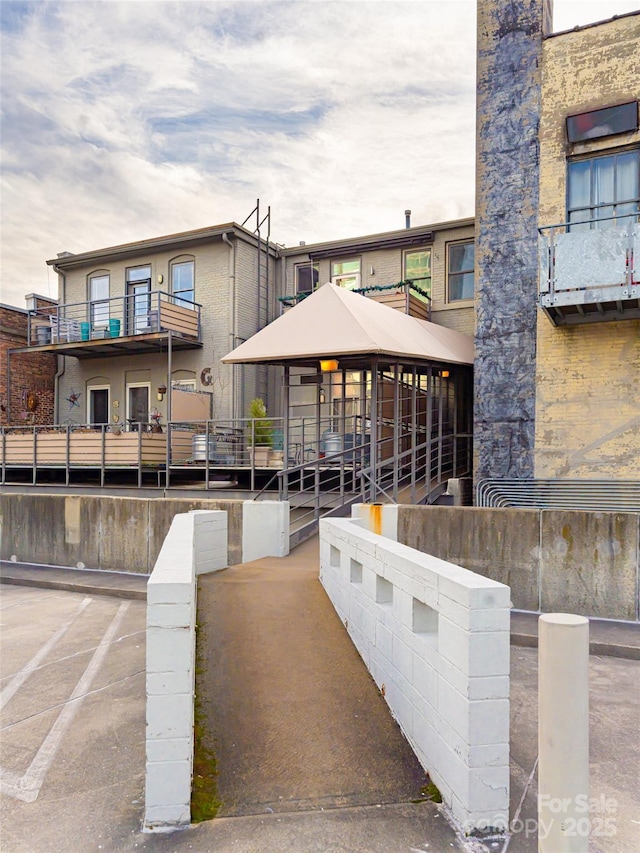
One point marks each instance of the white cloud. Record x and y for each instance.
(127, 120)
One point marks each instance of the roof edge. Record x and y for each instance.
(156, 244)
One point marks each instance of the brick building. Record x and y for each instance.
(28, 391)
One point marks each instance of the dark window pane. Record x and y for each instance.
(605, 122)
(461, 257)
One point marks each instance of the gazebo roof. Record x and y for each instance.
(334, 322)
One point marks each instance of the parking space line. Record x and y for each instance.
(20, 677)
(27, 787)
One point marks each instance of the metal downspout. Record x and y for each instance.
(62, 362)
(232, 320)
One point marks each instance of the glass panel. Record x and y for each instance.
(138, 273)
(580, 216)
(604, 122)
(417, 265)
(627, 178)
(99, 406)
(342, 267)
(604, 213)
(351, 282)
(603, 180)
(139, 404)
(461, 286)
(461, 257)
(580, 184)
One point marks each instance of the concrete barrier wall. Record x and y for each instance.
(435, 637)
(124, 534)
(196, 543)
(578, 562)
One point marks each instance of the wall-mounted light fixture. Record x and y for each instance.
(323, 396)
(444, 374)
(162, 390)
(329, 365)
(160, 278)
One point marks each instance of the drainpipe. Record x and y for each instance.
(232, 319)
(62, 362)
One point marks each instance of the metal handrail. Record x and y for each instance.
(542, 228)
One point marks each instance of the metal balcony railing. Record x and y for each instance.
(116, 317)
(590, 271)
(405, 296)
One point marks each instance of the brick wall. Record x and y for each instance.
(587, 409)
(32, 375)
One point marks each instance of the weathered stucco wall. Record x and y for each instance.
(117, 534)
(577, 562)
(587, 401)
(508, 107)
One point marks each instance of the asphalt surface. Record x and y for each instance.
(310, 800)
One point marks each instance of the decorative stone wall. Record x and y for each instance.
(507, 173)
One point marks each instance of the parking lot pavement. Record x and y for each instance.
(73, 720)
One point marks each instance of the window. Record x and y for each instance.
(601, 188)
(346, 274)
(417, 268)
(99, 300)
(306, 277)
(460, 266)
(183, 282)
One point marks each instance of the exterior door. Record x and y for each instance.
(138, 299)
(98, 406)
(138, 404)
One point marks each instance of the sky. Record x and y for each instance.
(123, 121)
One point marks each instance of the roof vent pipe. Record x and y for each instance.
(407, 219)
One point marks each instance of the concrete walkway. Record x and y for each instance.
(294, 719)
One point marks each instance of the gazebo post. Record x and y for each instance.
(396, 427)
(284, 482)
(374, 430)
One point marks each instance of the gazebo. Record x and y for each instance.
(375, 402)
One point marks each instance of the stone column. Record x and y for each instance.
(509, 57)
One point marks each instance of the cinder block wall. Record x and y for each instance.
(435, 639)
(577, 562)
(509, 54)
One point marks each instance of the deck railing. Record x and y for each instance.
(118, 316)
(406, 296)
(590, 263)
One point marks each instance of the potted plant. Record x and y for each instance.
(260, 434)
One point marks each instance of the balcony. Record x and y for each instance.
(405, 296)
(137, 323)
(591, 276)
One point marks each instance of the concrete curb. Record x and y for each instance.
(114, 584)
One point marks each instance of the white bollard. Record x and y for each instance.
(563, 734)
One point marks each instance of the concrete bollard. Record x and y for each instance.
(563, 734)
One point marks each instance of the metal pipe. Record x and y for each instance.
(169, 408)
(232, 321)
